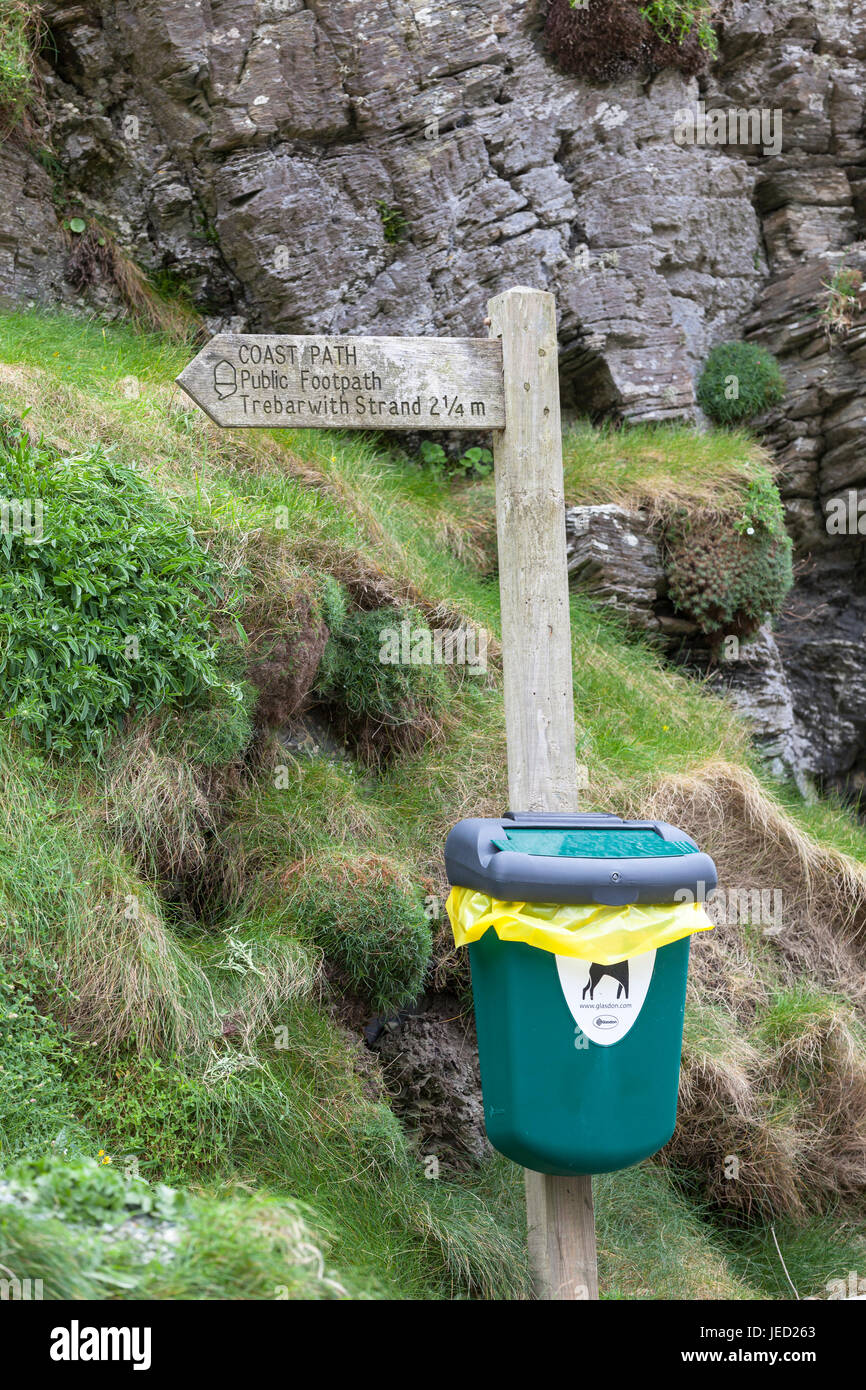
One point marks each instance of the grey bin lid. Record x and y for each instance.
(532, 857)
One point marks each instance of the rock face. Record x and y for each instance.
(810, 198)
(757, 682)
(612, 553)
(256, 146)
(386, 167)
(615, 556)
(819, 439)
(32, 251)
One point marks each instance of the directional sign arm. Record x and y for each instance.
(259, 381)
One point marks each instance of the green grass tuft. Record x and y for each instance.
(368, 920)
(739, 381)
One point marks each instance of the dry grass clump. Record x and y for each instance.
(773, 1082)
(756, 845)
(132, 983)
(95, 257)
(749, 1154)
(819, 1059)
(156, 808)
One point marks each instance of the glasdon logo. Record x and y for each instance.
(602, 1022)
(77, 1343)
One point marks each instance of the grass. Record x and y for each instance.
(819, 1257)
(660, 467)
(165, 1078)
(651, 1240)
(203, 1025)
(676, 20)
(92, 1234)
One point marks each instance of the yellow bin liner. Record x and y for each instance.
(589, 932)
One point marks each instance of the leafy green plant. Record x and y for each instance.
(762, 509)
(106, 598)
(137, 1104)
(474, 462)
(87, 1233)
(394, 224)
(739, 381)
(88, 1190)
(34, 1052)
(675, 20)
(432, 454)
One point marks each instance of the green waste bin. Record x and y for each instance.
(580, 985)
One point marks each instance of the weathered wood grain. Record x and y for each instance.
(254, 380)
(539, 700)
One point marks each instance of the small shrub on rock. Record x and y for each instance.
(739, 381)
(731, 578)
(608, 39)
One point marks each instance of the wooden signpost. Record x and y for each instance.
(507, 383)
(263, 380)
(539, 698)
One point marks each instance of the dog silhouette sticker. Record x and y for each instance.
(617, 972)
(605, 1000)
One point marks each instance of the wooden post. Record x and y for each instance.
(539, 700)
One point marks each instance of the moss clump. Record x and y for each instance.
(382, 702)
(739, 381)
(608, 39)
(730, 579)
(369, 921)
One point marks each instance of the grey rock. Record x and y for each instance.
(818, 439)
(755, 679)
(32, 250)
(613, 556)
(289, 123)
(822, 642)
